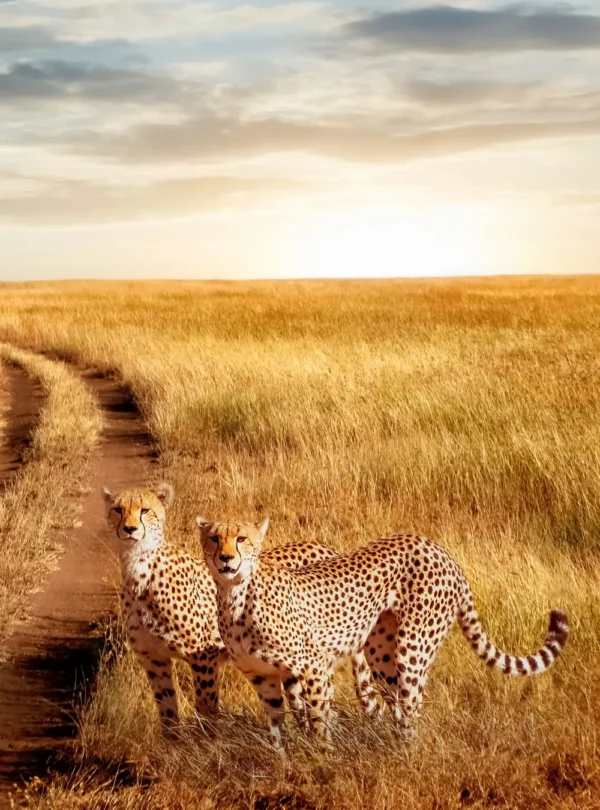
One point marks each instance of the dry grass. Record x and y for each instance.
(4, 404)
(31, 510)
(467, 410)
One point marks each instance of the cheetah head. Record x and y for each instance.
(137, 514)
(231, 549)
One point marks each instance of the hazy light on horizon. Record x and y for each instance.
(284, 139)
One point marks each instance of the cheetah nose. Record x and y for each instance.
(129, 529)
(226, 557)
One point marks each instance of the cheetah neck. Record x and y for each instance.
(232, 599)
(136, 560)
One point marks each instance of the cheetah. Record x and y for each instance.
(397, 597)
(170, 604)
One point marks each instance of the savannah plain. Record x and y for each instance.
(466, 410)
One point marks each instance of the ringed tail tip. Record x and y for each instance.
(559, 626)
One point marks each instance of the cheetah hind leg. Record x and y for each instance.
(295, 696)
(295, 693)
(366, 692)
(380, 653)
(317, 685)
(414, 654)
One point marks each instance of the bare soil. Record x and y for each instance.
(25, 398)
(50, 659)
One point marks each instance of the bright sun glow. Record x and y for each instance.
(374, 242)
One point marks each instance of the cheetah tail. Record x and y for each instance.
(540, 661)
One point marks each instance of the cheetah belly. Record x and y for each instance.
(255, 665)
(249, 655)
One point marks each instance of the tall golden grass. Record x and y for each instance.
(4, 404)
(466, 410)
(38, 503)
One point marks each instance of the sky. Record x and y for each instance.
(182, 139)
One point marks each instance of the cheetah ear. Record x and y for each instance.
(164, 493)
(263, 527)
(107, 495)
(202, 523)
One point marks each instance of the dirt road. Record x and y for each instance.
(50, 658)
(25, 400)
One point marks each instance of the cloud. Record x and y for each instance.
(70, 80)
(83, 22)
(134, 60)
(64, 203)
(204, 139)
(451, 29)
(26, 38)
(469, 92)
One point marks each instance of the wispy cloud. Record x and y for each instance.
(72, 80)
(26, 37)
(152, 20)
(451, 29)
(66, 203)
(207, 139)
(466, 92)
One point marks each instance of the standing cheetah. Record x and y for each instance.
(170, 603)
(292, 625)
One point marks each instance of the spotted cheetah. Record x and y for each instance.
(170, 604)
(397, 597)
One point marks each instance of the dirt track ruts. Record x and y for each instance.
(51, 657)
(25, 398)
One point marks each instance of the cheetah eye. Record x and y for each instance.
(118, 510)
(241, 539)
(144, 511)
(214, 538)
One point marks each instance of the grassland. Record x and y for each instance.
(39, 502)
(466, 410)
(4, 404)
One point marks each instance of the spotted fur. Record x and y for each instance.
(397, 597)
(170, 604)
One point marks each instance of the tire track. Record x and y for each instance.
(25, 400)
(51, 658)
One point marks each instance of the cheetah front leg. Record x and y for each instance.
(294, 693)
(160, 675)
(316, 684)
(271, 698)
(205, 670)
